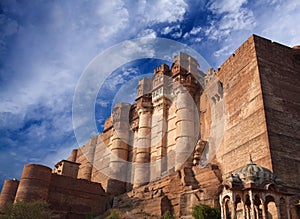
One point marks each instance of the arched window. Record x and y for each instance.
(248, 207)
(239, 207)
(257, 207)
(271, 207)
(227, 207)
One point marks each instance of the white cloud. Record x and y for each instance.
(175, 31)
(130, 71)
(150, 33)
(195, 30)
(232, 17)
(177, 34)
(223, 6)
(186, 35)
(161, 11)
(280, 23)
(102, 103)
(113, 18)
(168, 29)
(231, 24)
(192, 35)
(223, 52)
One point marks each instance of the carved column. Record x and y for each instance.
(233, 209)
(222, 207)
(253, 216)
(159, 138)
(288, 209)
(244, 211)
(185, 129)
(278, 209)
(264, 211)
(141, 174)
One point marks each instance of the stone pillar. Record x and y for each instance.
(252, 205)
(244, 211)
(159, 139)
(185, 128)
(88, 151)
(278, 209)
(119, 149)
(264, 211)
(248, 213)
(8, 193)
(233, 210)
(288, 209)
(142, 170)
(222, 207)
(256, 211)
(134, 149)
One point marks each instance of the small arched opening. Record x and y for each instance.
(257, 207)
(271, 207)
(248, 207)
(239, 207)
(227, 207)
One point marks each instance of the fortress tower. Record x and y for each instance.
(187, 139)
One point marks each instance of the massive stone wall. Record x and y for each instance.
(245, 129)
(247, 107)
(279, 69)
(214, 121)
(67, 196)
(261, 94)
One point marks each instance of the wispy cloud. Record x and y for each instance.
(161, 11)
(230, 16)
(232, 22)
(195, 30)
(147, 33)
(279, 24)
(168, 29)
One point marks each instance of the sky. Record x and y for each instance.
(45, 46)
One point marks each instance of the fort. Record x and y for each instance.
(228, 138)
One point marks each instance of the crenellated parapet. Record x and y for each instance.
(185, 72)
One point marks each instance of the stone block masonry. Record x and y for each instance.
(183, 140)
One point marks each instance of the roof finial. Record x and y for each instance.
(251, 161)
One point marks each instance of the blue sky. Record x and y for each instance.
(46, 45)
